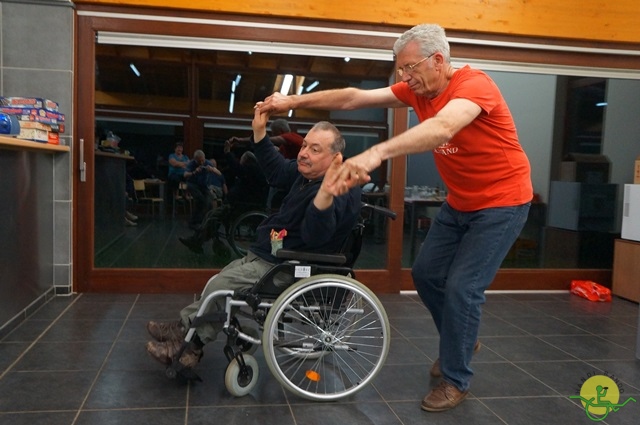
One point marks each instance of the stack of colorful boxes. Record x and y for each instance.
(39, 119)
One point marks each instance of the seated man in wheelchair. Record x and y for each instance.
(318, 214)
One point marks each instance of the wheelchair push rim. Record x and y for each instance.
(326, 337)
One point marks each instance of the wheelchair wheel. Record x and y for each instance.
(243, 231)
(326, 337)
(240, 382)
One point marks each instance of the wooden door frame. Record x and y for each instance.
(392, 279)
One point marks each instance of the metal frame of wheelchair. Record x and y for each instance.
(324, 337)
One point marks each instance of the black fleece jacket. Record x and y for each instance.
(308, 228)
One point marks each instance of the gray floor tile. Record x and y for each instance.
(523, 348)
(117, 389)
(565, 377)
(537, 410)
(28, 331)
(132, 417)
(44, 391)
(589, 347)
(30, 418)
(65, 356)
(505, 380)
(546, 326)
(471, 411)
(92, 330)
(10, 352)
(345, 413)
(250, 415)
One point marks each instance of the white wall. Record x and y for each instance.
(621, 133)
(621, 138)
(531, 98)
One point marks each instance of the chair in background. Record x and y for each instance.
(181, 196)
(150, 202)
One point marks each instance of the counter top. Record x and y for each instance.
(114, 155)
(27, 145)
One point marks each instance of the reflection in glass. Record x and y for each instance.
(154, 97)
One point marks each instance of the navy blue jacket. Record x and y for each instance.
(308, 229)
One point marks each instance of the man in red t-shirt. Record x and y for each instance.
(466, 123)
(286, 140)
(288, 143)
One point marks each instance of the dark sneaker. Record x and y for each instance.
(164, 352)
(443, 397)
(435, 369)
(169, 331)
(192, 244)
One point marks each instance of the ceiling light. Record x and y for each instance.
(312, 86)
(286, 84)
(601, 104)
(134, 69)
(232, 100)
(347, 59)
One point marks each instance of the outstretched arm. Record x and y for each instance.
(347, 99)
(426, 136)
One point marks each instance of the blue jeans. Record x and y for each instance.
(456, 263)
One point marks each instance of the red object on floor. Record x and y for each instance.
(590, 290)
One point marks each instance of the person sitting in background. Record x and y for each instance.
(250, 188)
(217, 184)
(317, 214)
(197, 175)
(208, 228)
(288, 143)
(177, 167)
(248, 192)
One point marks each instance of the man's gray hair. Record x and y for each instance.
(338, 143)
(280, 126)
(430, 37)
(198, 154)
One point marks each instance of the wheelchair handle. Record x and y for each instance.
(380, 210)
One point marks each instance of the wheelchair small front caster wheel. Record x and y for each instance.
(241, 380)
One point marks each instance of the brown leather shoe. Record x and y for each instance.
(435, 369)
(169, 331)
(443, 397)
(164, 352)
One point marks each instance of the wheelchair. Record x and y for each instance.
(324, 337)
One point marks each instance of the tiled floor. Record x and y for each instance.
(81, 360)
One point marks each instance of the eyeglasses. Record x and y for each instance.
(409, 68)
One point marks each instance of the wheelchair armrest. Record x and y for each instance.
(312, 257)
